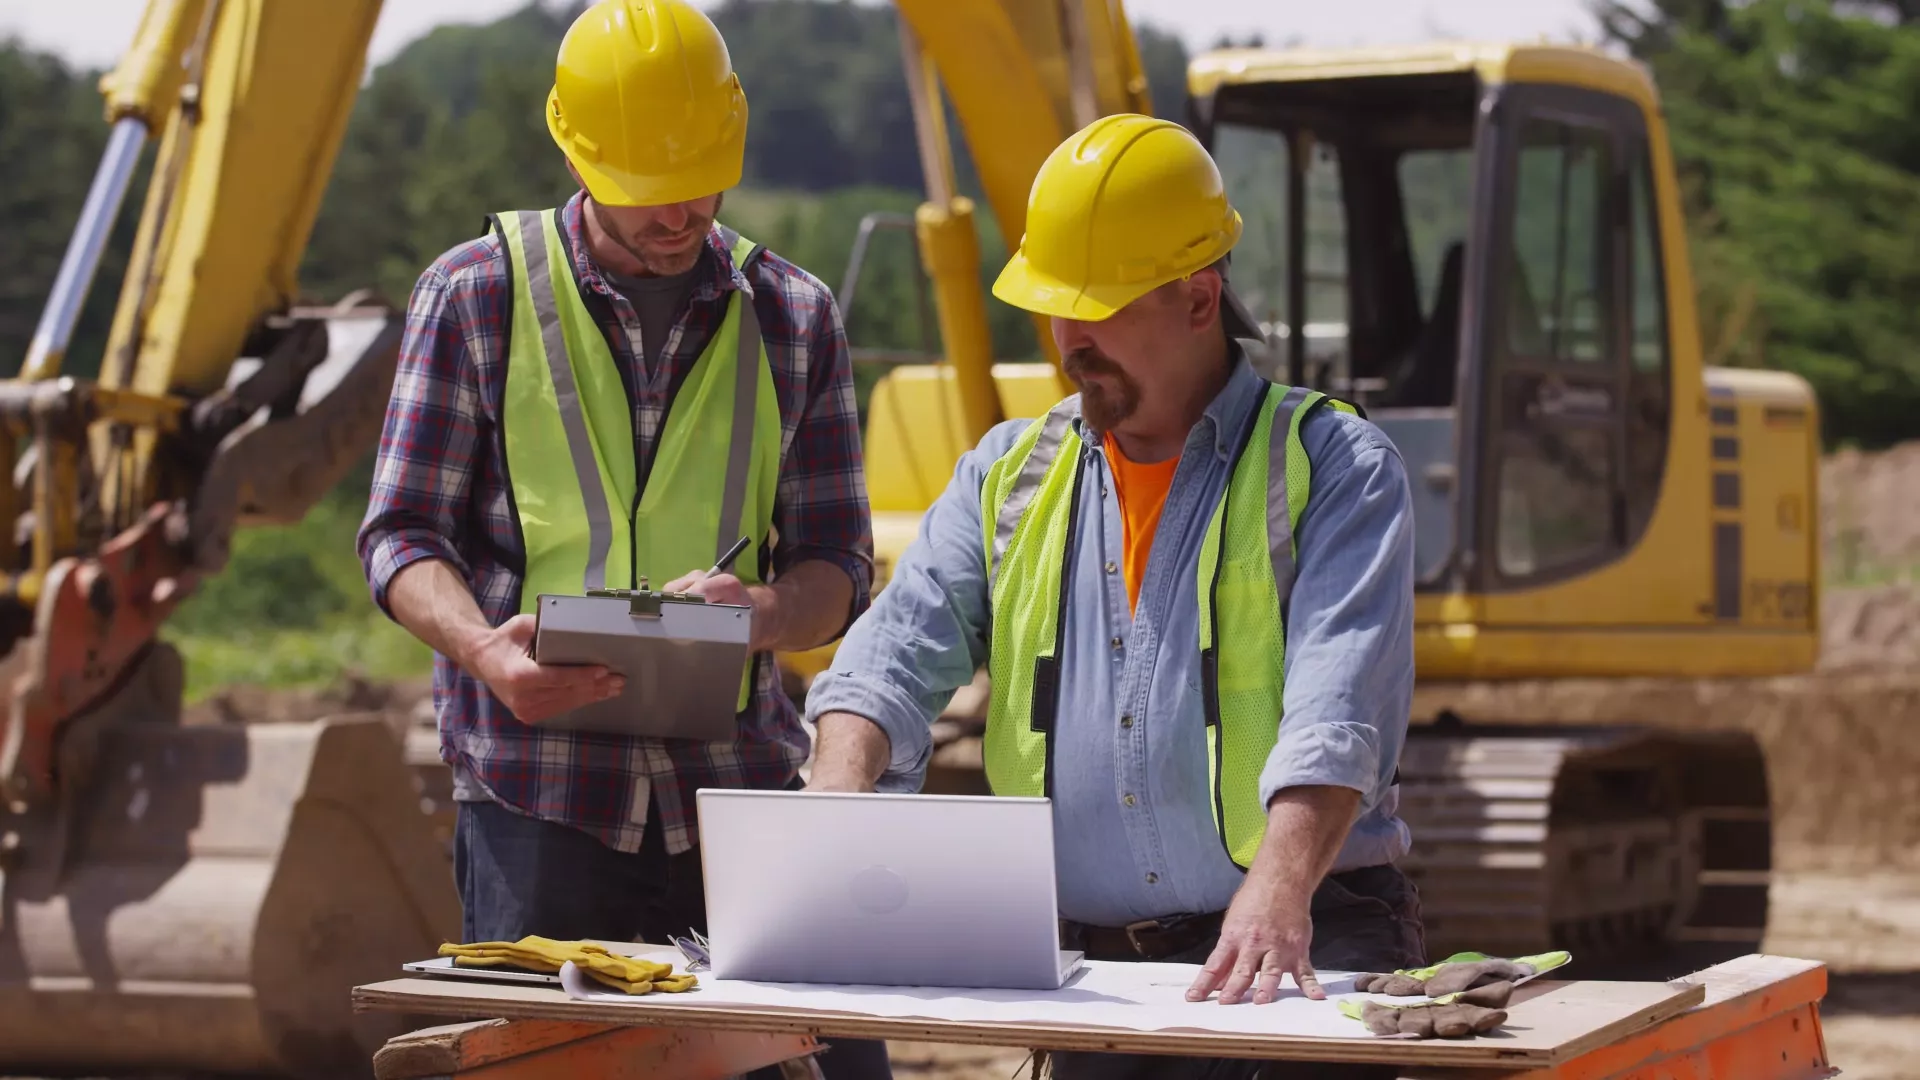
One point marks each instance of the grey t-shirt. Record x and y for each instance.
(656, 300)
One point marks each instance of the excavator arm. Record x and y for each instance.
(219, 402)
(196, 898)
(1021, 77)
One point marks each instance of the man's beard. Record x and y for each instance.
(1104, 408)
(661, 263)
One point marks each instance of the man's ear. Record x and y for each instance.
(1203, 299)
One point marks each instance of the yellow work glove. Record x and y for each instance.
(627, 974)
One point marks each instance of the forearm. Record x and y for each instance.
(851, 753)
(804, 607)
(431, 601)
(1305, 828)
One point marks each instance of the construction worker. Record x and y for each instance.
(1193, 592)
(613, 390)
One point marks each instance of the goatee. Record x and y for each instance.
(1108, 403)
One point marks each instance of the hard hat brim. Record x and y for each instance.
(719, 171)
(1027, 287)
(1030, 288)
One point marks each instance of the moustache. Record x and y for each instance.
(1089, 361)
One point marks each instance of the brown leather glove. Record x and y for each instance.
(1473, 1012)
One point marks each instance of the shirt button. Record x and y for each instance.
(1116, 642)
(1111, 568)
(1128, 799)
(1126, 721)
(1153, 878)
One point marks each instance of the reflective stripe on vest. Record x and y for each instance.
(1030, 498)
(585, 521)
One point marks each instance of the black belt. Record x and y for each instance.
(1148, 939)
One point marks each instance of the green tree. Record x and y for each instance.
(1796, 128)
(51, 136)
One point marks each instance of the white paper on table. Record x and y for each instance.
(1111, 994)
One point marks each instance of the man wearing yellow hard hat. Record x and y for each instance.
(1193, 592)
(615, 390)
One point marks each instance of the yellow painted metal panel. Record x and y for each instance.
(1443, 652)
(916, 431)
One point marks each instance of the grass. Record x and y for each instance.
(371, 647)
(292, 609)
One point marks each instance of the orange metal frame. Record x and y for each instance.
(1750, 1027)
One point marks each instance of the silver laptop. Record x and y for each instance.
(890, 890)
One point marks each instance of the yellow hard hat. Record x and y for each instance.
(646, 105)
(1125, 205)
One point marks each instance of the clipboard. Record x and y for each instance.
(682, 656)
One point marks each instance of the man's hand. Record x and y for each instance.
(535, 692)
(1269, 926)
(727, 589)
(1265, 934)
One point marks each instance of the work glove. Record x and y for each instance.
(628, 974)
(1470, 1012)
(1468, 995)
(1461, 971)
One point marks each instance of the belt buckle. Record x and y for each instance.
(1133, 933)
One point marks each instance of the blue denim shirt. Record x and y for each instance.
(1349, 661)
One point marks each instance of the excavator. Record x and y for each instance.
(1506, 292)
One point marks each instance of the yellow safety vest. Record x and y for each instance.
(567, 424)
(1030, 508)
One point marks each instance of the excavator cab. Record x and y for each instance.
(1482, 246)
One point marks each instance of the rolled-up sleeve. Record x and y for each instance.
(926, 632)
(1349, 654)
(429, 445)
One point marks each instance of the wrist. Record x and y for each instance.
(769, 616)
(467, 647)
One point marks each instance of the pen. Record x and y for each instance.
(726, 560)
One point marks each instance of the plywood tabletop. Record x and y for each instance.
(1548, 1022)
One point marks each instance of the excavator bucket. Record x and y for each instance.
(205, 898)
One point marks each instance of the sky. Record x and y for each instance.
(93, 32)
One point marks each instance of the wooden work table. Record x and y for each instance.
(1755, 1018)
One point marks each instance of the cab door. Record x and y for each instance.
(1574, 381)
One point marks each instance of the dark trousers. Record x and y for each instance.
(519, 875)
(1363, 920)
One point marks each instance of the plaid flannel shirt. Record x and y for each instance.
(439, 491)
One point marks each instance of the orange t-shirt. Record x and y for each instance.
(1142, 491)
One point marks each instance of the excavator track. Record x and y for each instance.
(1613, 843)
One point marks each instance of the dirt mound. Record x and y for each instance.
(1870, 628)
(261, 705)
(1870, 519)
